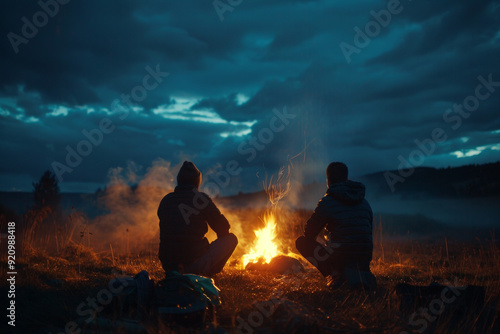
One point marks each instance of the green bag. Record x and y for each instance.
(186, 300)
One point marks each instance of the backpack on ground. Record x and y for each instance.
(134, 298)
(186, 300)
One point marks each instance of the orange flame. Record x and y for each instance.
(264, 247)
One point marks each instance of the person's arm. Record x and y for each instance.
(215, 218)
(317, 221)
(371, 216)
(370, 211)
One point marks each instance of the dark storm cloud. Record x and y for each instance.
(226, 78)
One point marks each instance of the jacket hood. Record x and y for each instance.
(348, 192)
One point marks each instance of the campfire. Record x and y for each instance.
(264, 247)
(264, 253)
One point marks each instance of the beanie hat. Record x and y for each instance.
(336, 172)
(189, 174)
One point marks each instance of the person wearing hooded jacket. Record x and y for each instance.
(347, 217)
(185, 215)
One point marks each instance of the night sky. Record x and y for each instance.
(261, 84)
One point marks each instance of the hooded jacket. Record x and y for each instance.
(185, 215)
(346, 214)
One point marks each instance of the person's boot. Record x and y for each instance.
(360, 279)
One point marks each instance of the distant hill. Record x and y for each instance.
(469, 181)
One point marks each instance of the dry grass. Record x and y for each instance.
(51, 284)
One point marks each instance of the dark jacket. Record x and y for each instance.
(347, 215)
(184, 215)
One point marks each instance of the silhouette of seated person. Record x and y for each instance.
(185, 215)
(347, 217)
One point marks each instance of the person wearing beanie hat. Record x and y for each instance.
(347, 217)
(185, 215)
(189, 174)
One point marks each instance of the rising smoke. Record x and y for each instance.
(132, 199)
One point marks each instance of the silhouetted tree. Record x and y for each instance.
(45, 211)
(46, 192)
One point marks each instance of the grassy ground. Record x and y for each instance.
(49, 290)
(58, 272)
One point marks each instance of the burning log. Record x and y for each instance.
(280, 264)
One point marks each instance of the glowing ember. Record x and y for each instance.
(264, 247)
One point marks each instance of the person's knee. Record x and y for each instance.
(232, 239)
(301, 243)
